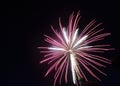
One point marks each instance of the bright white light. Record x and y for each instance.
(75, 36)
(81, 40)
(65, 35)
(56, 48)
(73, 64)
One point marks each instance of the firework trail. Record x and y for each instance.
(71, 48)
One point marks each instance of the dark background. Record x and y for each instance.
(29, 20)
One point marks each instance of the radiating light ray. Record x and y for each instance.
(65, 36)
(56, 48)
(84, 47)
(71, 48)
(80, 41)
(75, 35)
(73, 64)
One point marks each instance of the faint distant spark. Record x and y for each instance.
(75, 49)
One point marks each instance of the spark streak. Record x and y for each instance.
(73, 64)
(80, 41)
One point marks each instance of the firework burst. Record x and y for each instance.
(71, 48)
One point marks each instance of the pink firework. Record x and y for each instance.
(71, 48)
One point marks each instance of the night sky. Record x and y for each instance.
(29, 20)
